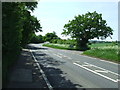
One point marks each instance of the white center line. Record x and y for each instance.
(103, 69)
(95, 72)
(58, 55)
(61, 55)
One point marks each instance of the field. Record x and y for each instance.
(107, 51)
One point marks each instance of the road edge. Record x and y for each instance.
(42, 72)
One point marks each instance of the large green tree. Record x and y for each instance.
(85, 27)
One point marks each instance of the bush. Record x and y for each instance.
(37, 39)
(54, 40)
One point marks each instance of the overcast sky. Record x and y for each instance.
(53, 15)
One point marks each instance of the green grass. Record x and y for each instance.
(108, 52)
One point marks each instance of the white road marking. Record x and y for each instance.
(118, 80)
(95, 72)
(34, 50)
(101, 71)
(67, 57)
(61, 56)
(87, 65)
(57, 55)
(43, 74)
(46, 50)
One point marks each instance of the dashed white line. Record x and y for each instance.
(61, 56)
(87, 65)
(57, 55)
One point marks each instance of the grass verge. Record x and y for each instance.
(107, 54)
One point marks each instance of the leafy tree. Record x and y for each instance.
(30, 26)
(11, 35)
(15, 15)
(50, 36)
(37, 39)
(85, 27)
(11, 31)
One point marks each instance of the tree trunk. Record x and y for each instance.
(82, 44)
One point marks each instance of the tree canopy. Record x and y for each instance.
(18, 26)
(50, 36)
(85, 27)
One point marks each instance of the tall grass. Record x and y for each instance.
(110, 52)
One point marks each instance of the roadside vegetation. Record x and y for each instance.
(18, 28)
(108, 51)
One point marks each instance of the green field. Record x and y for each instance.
(107, 51)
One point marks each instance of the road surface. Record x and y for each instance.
(70, 69)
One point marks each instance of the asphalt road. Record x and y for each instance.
(70, 69)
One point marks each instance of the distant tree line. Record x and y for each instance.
(37, 39)
(52, 38)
